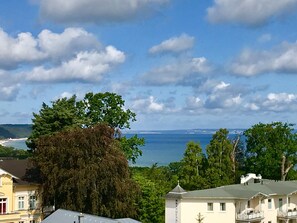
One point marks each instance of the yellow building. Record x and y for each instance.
(18, 197)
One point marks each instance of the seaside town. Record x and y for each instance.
(148, 111)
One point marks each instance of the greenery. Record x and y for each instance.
(85, 170)
(10, 152)
(271, 150)
(64, 114)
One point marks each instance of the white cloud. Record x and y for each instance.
(174, 45)
(86, 66)
(147, 105)
(97, 11)
(248, 12)
(9, 88)
(177, 73)
(281, 59)
(49, 46)
(14, 51)
(66, 44)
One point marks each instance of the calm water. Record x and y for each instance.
(160, 147)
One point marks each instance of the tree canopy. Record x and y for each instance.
(85, 170)
(68, 113)
(271, 149)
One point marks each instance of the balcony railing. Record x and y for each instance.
(250, 216)
(287, 214)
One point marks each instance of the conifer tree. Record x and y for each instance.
(192, 168)
(219, 171)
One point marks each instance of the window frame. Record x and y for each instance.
(210, 206)
(222, 206)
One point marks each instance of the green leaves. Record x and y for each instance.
(271, 149)
(97, 108)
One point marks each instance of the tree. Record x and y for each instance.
(220, 165)
(271, 149)
(97, 108)
(192, 167)
(85, 170)
(10, 152)
(200, 218)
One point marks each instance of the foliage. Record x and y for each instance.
(192, 168)
(84, 170)
(151, 204)
(271, 150)
(219, 152)
(97, 108)
(10, 152)
(200, 218)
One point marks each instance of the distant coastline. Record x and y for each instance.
(4, 142)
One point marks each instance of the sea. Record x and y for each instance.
(161, 147)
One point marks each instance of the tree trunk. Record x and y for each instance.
(285, 169)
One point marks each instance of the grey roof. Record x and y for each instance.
(242, 191)
(65, 216)
(176, 192)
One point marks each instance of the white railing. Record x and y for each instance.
(250, 215)
(286, 214)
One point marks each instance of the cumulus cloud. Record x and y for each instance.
(177, 73)
(147, 105)
(14, 51)
(9, 88)
(223, 95)
(248, 12)
(86, 66)
(281, 59)
(25, 48)
(97, 11)
(174, 45)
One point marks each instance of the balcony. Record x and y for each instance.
(285, 215)
(250, 215)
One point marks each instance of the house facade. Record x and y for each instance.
(255, 200)
(18, 198)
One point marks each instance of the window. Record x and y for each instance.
(3, 205)
(280, 203)
(21, 203)
(21, 221)
(222, 206)
(249, 204)
(210, 206)
(32, 202)
(269, 204)
(32, 221)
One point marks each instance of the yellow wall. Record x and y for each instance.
(12, 192)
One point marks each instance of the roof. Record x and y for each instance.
(176, 192)
(66, 216)
(243, 191)
(16, 168)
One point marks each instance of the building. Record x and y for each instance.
(254, 200)
(18, 197)
(65, 216)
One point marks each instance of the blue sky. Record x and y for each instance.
(178, 64)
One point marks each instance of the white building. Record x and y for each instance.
(255, 200)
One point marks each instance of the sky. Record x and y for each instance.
(178, 64)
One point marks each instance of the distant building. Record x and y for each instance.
(19, 201)
(65, 216)
(255, 200)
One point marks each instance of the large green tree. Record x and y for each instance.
(220, 165)
(271, 150)
(68, 113)
(192, 167)
(85, 170)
